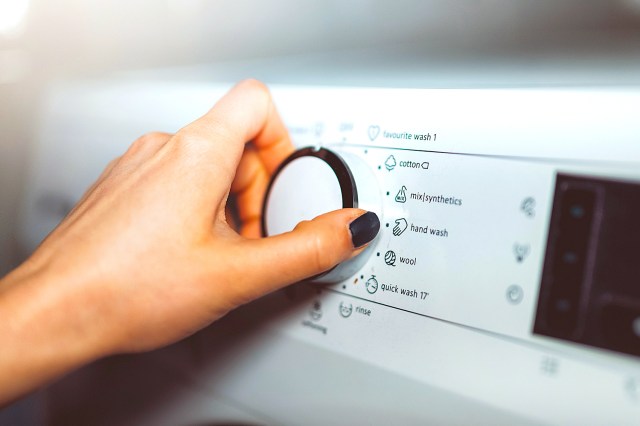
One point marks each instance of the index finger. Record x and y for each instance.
(246, 113)
(273, 143)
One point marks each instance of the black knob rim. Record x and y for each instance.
(337, 164)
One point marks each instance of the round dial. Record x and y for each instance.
(313, 181)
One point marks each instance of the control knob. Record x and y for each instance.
(313, 181)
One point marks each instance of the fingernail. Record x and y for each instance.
(364, 229)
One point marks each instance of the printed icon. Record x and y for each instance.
(371, 285)
(390, 258)
(521, 251)
(401, 226)
(528, 207)
(316, 311)
(346, 310)
(515, 294)
(549, 366)
(401, 196)
(373, 131)
(390, 164)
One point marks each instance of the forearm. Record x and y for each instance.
(147, 257)
(45, 331)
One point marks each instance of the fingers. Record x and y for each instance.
(143, 148)
(245, 113)
(140, 150)
(259, 161)
(249, 186)
(106, 172)
(313, 247)
(273, 143)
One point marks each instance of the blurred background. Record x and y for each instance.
(405, 43)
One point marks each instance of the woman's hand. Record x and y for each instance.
(147, 256)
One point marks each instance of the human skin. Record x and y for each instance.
(147, 256)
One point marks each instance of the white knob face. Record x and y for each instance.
(305, 188)
(312, 182)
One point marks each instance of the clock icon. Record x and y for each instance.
(372, 284)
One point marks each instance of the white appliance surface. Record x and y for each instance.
(446, 334)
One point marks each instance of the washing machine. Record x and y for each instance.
(503, 287)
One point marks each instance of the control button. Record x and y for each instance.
(566, 267)
(570, 257)
(372, 284)
(577, 211)
(521, 251)
(528, 207)
(311, 182)
(515, 294)
(293, 197)
(345, 309)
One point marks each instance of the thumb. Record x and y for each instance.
(313, 247)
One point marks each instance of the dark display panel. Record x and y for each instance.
(590, 291)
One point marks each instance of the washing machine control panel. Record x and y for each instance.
(502, 245)
(458, 240)
(506, 267)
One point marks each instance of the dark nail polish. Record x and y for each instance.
(364, 229)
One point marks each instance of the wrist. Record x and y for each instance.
(48, 329)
